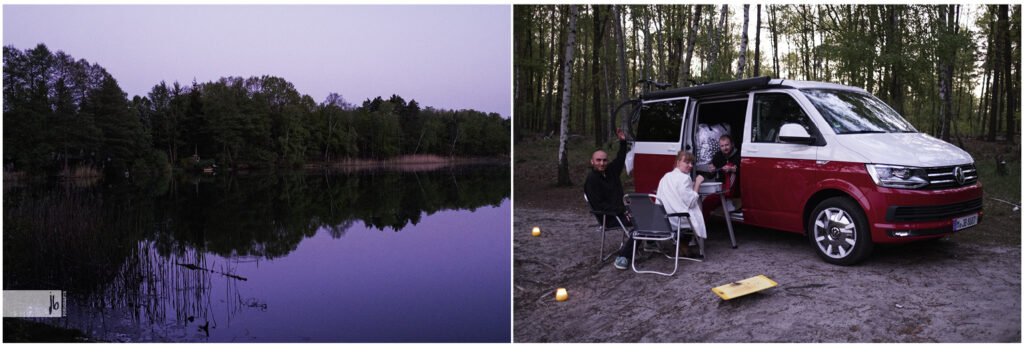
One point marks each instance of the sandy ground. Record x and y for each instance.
(937, 291)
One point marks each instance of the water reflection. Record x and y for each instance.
(271, 257)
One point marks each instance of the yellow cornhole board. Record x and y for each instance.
(744, 287)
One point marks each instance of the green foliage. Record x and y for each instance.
(893, 51)
(60, 113)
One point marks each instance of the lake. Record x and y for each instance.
(371, 256)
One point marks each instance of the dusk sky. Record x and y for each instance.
(445, 56)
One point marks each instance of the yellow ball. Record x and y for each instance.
(536, 231)
(561, 295)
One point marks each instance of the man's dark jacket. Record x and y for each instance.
(605, 191)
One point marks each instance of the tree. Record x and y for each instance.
(123, 138)
(599, 23)
(620, 45)
(1006, 54)
(947, 56)
(563, 138)
(997, 77)
(685, 75)
(773, 28)
(757, 43)
(743, 43)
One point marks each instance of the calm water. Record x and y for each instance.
(381, 256)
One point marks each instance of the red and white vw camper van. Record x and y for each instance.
(826, 160)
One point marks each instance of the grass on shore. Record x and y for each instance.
(20, 330)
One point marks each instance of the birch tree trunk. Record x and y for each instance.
(563, 160)
(552, 75)
(743, 43)
(946, 58)
(561, 66)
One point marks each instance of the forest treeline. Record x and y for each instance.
(947, 75)
(62, 113)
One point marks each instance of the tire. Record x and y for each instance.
(839, 232)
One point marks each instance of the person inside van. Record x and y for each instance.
(604, 191)
(727, 162)
(678, 193)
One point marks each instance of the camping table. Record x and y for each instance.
(711, 188)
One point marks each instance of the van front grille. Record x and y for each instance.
(946, 177)
(931, 213)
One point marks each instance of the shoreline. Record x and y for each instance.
(406, 163)
(400, 163)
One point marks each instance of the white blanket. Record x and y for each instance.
(675, 192)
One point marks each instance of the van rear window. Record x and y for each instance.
(849, 112)
(660, 121)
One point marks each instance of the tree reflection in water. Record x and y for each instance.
(138, 251)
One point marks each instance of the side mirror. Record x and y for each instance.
(794, 133)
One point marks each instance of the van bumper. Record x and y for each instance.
(911, 215)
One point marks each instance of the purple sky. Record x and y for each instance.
(451, 57)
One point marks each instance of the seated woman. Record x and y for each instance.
(678, 193)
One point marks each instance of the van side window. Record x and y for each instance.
(660, 121)
(771, 111)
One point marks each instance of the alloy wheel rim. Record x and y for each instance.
(835, 233)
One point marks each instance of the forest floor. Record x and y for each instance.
(965, 287)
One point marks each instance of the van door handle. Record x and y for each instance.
(672, 150)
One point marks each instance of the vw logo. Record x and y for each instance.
(958, 173)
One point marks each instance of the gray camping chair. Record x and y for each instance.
(651, 223)
(602, 221)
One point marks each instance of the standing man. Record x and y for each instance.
(604, 191)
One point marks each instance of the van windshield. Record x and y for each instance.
(850, 112)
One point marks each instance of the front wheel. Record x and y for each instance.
(839, 231)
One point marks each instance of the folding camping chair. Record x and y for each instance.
(602, 221)
(651, 223)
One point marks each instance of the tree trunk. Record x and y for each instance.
(648, 68)
(1007, 81)
(551, 74)
(994, 105)
(563, 160)
(982, 104)
(659, 23)
(895, 53)
(551, 127)
(685, 75)
(773, 28)
(743, 43)
(608, 93)
(623, 83)
(599, 132)
(946, 59)
(757, 44)
(805, 42)
(716, 43)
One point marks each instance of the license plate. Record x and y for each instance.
(965, 222)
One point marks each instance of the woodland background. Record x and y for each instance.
(68, 116)
(951, 70)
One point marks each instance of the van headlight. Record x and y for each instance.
(892, 176)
